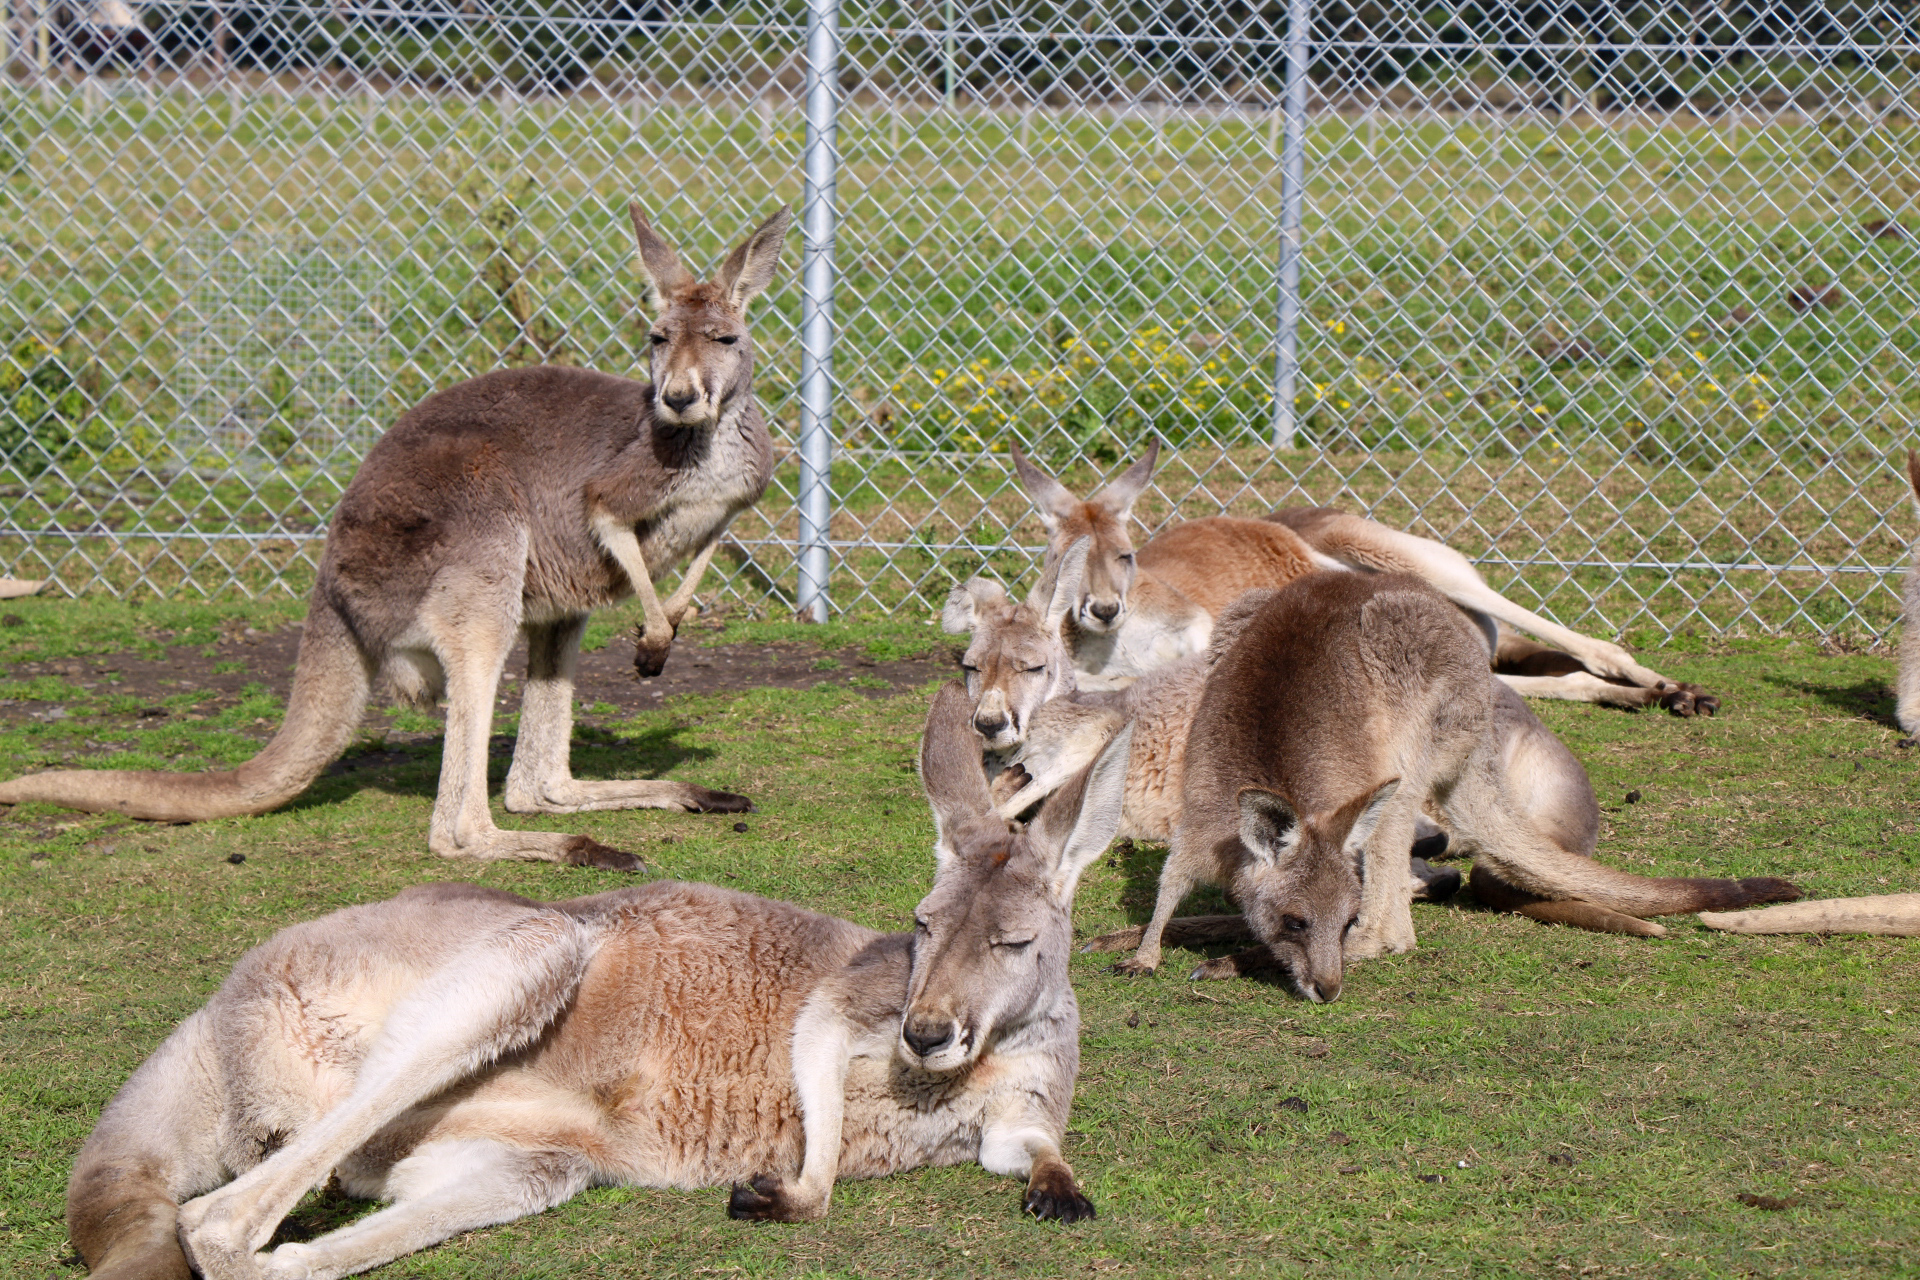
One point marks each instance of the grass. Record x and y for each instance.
(1610, 1098)
(1553, 340)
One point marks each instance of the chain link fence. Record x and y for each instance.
(1617, 299)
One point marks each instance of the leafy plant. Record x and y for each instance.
(41, 406)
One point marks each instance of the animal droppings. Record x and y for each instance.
(1562, 1159)
(1432, 1177)
(1807, 298)
(1133, 1020)
(740, 826)
(1770, 1204)
(1294, 1104)
(1338, 1138)
(235, 859)
(1349, 1168)
(1315, 1051)
(1633, 797)
(12, 620)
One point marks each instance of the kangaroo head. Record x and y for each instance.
(1299, 884)
(1016, 659)
(700, 356)
(1101, 603)
(992, 938)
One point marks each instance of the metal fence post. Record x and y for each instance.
(816, 309)
(1293, 172)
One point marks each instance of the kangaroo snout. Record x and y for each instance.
(991, 725)
(678, 400)
(1104, 611)
(927, 1036)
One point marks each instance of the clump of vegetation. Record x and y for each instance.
(42, 403)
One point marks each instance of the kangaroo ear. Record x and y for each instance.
(950, 769)
(1082, 817)
(1269, 828)
(1048, 494)
(965, 602)
(1068, 578)
(1235, 619)
(1119, 497)
(748, 270)
(1369, 817)
(657, 257)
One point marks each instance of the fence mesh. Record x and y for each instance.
(1617, 299)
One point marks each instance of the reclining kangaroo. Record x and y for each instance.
(519, 500)
(474, 1057)
(1335, 709)
(1137, 613)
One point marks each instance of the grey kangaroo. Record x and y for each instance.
(1336, 708)
(473, 1057)
(517, 501)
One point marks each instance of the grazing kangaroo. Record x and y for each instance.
(1139, 612)
(517, 501)
(1907, 710)
(473, 1057)
(1335, 709)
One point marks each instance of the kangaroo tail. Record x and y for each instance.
(155, 1146)
(1544, 871)
(1494, 892)
(330, 686)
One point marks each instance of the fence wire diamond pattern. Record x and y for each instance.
(1618, 299)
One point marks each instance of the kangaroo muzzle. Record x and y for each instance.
(934, 1042)
(683, 400)
(1102, 615)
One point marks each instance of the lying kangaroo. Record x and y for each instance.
(1335, 709)
(474, 1057)
(1137, 613)
(517, 501)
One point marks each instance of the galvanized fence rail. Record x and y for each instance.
(1619, 300)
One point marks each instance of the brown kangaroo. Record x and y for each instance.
(1337, 708)
(1139, 612)
(517, 501)
(473, 1057)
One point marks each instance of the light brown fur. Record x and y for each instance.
(473, 1056)
(1334, 711)
(1139, 612)
(517, 501)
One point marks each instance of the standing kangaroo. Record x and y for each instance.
(1137, 613)
(473, 1057)
(1335, 709)
(517, 501)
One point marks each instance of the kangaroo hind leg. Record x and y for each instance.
(542, 781)
(440, 1190)
(490, 998)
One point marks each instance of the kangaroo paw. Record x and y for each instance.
(650, 653)
(1689, 700)
(1053, 1196)
(707, 800)
(765, 1198)
(1431, 883)
(1134, 968)
(585, 851)
(1237, 965)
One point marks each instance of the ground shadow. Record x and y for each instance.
(1139, 866)
(1869, 700)
(412, 768)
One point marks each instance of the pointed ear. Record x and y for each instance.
(1048, 494)
(1269, 827)
(657, 258)
(1119, 497)
(1068, 577)
(748, 270)
(1369, 817)
(965, 603)
(950, 769)
(1489, 629)
(1082, 817)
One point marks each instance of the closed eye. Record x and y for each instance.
(657, 339)
(1293, 924)
(1034, 671)
(729, 340)
(969, 668)
(1013, 944)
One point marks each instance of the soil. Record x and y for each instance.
(245, 656)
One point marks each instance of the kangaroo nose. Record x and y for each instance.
(677, 400)
(924, 1040)
(1105, 612)
(989, 726)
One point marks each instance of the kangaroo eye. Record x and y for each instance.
(1013, 944)
(969, 668)
(920, 924)
(1293, 924)
(1353, 922)
(658, 339)
(729, 340)
(1128, 557)
(1036, 670)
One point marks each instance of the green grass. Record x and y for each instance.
(1076, 281)
(1610, 1097)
